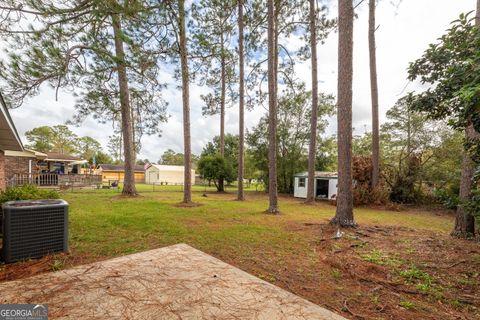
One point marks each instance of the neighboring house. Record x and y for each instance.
(33, 162)
(9, 140)
(61, 163)
(116, 172)
(163, 174)
(325, 185)
(24, 162)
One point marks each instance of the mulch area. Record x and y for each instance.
(376, 272)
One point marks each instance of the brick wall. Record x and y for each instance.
(18, 166)
(2, 170)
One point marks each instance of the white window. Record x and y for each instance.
(301, 182)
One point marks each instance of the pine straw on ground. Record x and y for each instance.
(375, 272)
(372, 272)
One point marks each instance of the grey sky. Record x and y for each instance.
(403, 35)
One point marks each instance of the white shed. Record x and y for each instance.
(164, 174)
(325, 185)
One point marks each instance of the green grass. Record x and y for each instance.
(105, 225)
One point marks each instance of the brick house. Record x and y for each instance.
(9, 140)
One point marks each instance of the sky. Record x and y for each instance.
(403, 33)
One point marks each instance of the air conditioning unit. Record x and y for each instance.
(33, 229)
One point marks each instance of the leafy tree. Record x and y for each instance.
(172, 158)
(100, 157)
(326, 158)
(88, 147)
(58, 138)
(64, 140)
(114, 147)
(142, 161)
(231, 147)
(450, 68)
(216, 168)
(40, 139)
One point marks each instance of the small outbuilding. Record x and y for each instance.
(164, 174)
(116, 172)
(325, 185)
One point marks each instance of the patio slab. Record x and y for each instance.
(176, 282)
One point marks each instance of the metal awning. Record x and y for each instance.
(78, 162)
(9, 138)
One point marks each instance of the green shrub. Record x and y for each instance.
(26, 192)
(447, 198)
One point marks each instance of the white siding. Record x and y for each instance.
(332, 188)
(301, 192)
(298, 191)
(158, 174)
(151, 175)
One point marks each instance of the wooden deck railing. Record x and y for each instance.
(53, 180)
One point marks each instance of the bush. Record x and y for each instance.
(448, 199)
(363, 193)
(26, 192)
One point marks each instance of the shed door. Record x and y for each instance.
(322, 188)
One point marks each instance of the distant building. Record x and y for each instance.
(116, 172)
(325, 185)
(164, 174)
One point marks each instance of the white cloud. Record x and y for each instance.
(402, 36)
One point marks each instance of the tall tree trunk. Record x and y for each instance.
(187, 190)
(464, 221)
(127, 130)
(272, 112)
(135, 146)
(344, 212)
(313, 121)
(374, 94)
(120, 149)
(241, 106)
(223, 75)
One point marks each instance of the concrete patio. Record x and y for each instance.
(176, 282)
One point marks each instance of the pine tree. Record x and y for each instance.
(187, 189)
(101, 50)
(344, 210)
(213, 29)
(241, 105)
(272, 109)
(314, 116)
(374, 94)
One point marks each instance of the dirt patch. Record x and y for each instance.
(188, 205)
(125, 197)
(378, 272)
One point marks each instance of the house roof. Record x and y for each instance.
(119, 167)
(318, 174)
(26, 153)
(52, 156)
(9, 138)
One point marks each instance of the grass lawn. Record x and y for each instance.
(396, 265)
